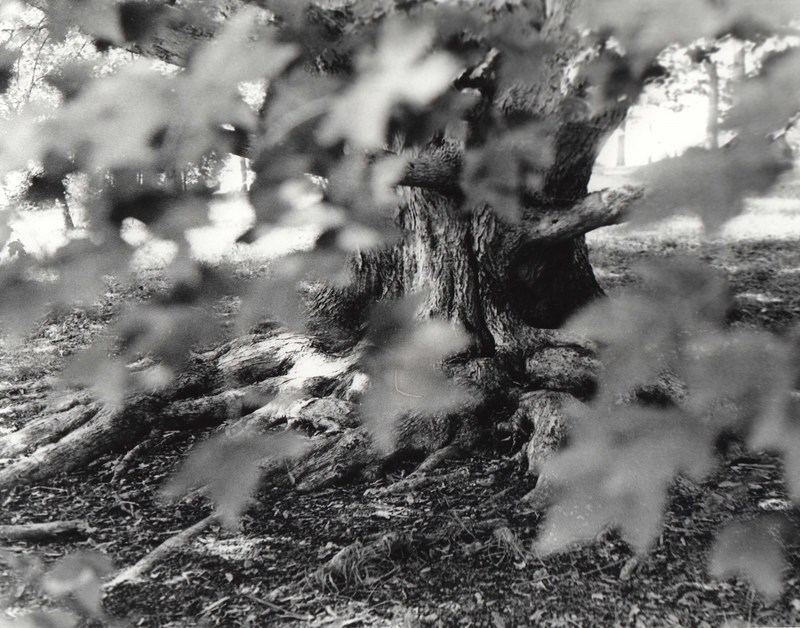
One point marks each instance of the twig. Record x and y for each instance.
(43, 531)
(275, 607)
(136, 571)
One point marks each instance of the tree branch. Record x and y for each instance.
(598, 209)
(437, 171)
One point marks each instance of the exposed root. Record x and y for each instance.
(276, 379)
(21, 409)
(44, 531)
(46, 429)
(541, 496)
(360, 562)
(157, 439)
(419, 477)
(136, 572)
(314, 415)
(544, 413)
(414, 483)
(221, 385)
(564, 369)
(335, 459)
(437, 458)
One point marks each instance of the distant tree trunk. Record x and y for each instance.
(69, 225)
(621, 144)
(740, 62)
(712, 125)
(243, 169)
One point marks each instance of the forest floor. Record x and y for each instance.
(456, 570)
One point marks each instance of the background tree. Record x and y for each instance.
(455, 142)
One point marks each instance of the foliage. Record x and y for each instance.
(623, 455)
(231, 468)
(385, 85)
(75, 578)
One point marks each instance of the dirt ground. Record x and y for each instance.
(454, 568)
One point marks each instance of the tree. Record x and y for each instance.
(477, 124)
(502, 280)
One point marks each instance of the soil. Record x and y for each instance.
(456, 568)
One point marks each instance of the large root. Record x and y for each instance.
(277, 379)
(220, 385)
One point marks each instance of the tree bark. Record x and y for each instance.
(507, 283)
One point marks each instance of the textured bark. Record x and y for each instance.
(506, 283)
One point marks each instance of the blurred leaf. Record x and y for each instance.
(80, 576)
(613, 79)
(508, 166)
(754, 551)
(27, 566)
(240, 52)
(750, 395)
(694, 292)
(712, 183)
(45, 619)
(278, 297)
(404, 367)
(787, 441)
(107, 377)
(623, 457)
(230, 466)
(400, 71)
(132, 107)
(209, 95)
(365, 189)
(295, 103)
(766, 103)
(97, 18)
(161, 122)
(516, 34)
(642, 333)
(636, 337)
(617, 470)
(646, 27)
(73, 274)
(167, 332)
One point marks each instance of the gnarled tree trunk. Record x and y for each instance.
(507, 283)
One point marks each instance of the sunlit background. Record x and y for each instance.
(670, 117)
